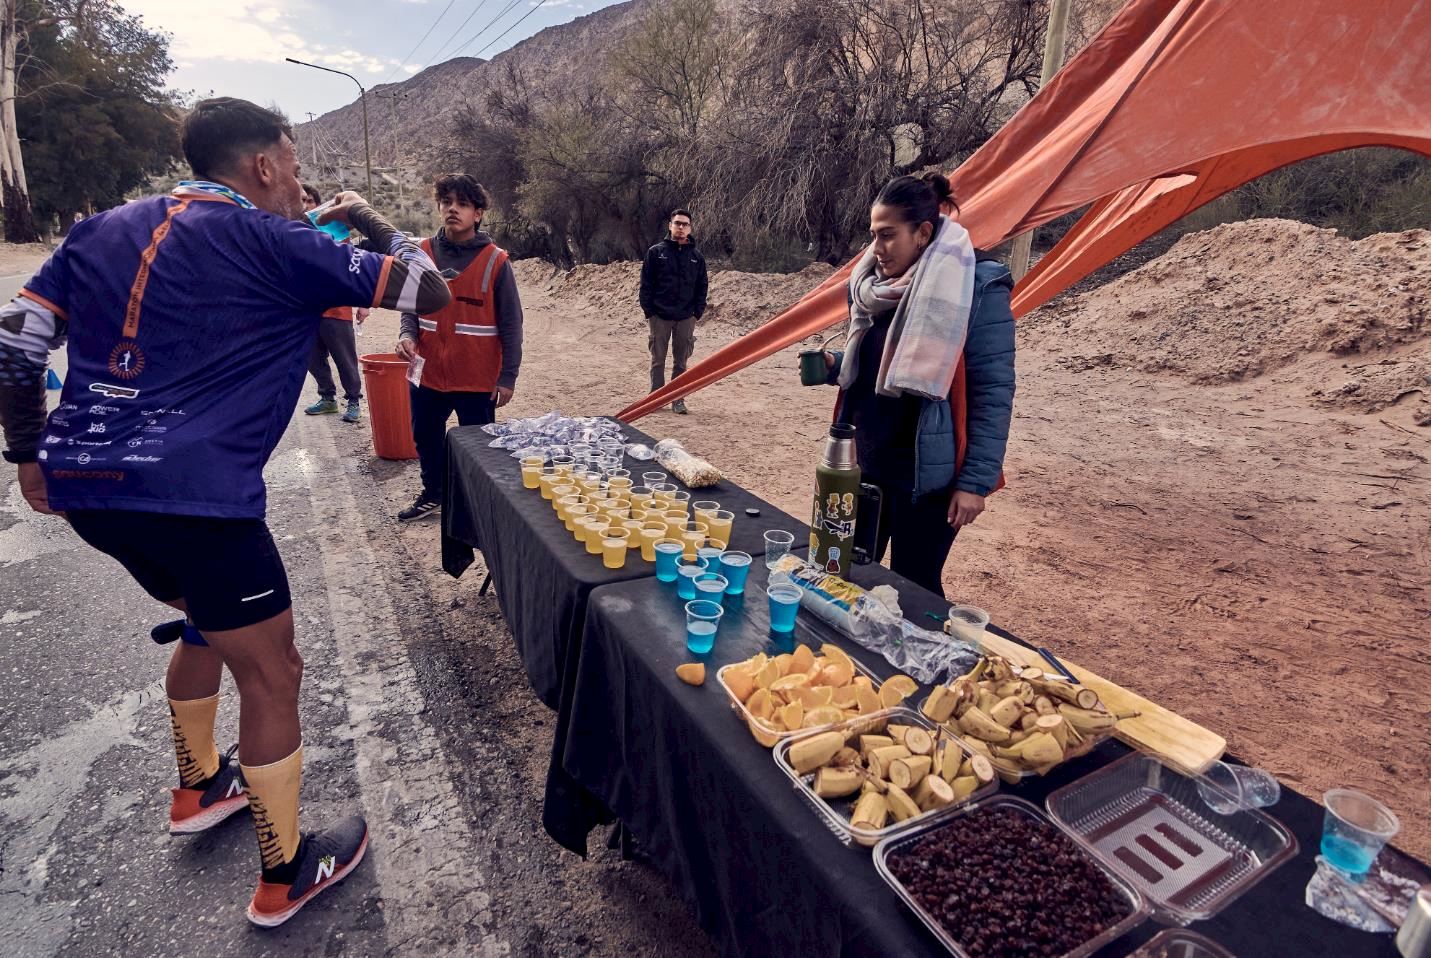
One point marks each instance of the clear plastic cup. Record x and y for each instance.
(967, 623)
(704, 506)
(652, 479)
(596, 527)
(675, 521)
(693, 534)
(735, 566)
(667, 552)
(574, 515)
(651, 533)
(1355, 828)
(640, 497)
(1231, 788)
(663, 491)
(589, 483)
(633, 526)
(531, 477)
(560, 492)
(617, 475)
(614, 544)
(563, 507)
(537, 461)
(720, 523)
(681, 499)
(702, 621)
(710, 585)
(687, 568)
(777, 546)
(563, 464)
(710, 550)
(548, 478)
(784, 605)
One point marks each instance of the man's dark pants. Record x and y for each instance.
(665, 333)
(430, 410)
(336, 338)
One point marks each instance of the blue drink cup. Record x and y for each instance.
(711, 586)
(1355, 828)
(702, 620)
(667, 552)
(784, 604)
(735, 566)
(686, 572)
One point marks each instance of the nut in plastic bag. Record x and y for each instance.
(693, 471)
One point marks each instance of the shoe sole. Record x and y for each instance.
(209, 817)
(273, 921)
(430, 512)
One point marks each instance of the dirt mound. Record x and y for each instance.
(742, 300)
(1246, 299)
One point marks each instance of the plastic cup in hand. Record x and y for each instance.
(777, 546)
(784, 604)
(702, 620)
(1232, 788)
(968, 623)
(651, 533)
(653, 479)
(596, 527)
(667, 552)
(687, 569)
(735, 566)
(1355, 828)
(614, 544)
(711, 586)
(531, 476)
(693, 534)
(720, 522)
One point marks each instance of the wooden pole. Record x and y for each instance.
(1053, 43)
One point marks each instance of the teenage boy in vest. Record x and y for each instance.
(471, 349)
(336, 338)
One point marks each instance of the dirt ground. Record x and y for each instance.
(1217, 481)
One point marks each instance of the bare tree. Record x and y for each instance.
(14, 190)
(671, 66)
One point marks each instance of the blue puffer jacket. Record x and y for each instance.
(988, 395)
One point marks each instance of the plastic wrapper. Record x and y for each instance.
(640, 451)
(923, 655)
(554, 429)
(693, 471)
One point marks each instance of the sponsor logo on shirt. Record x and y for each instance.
(53, 440)
(355, 261)
(114, 474)
(102, 410)
(126, 360)
(96, 427)
(143, 459)
(113, 392)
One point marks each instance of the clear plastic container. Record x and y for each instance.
(765, 732)
(1181, 943)
(1149, 823)
(836, 811)
(1138, 909)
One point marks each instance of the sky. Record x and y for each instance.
(237, 47)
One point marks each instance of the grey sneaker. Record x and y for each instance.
(679, 406)
(352, 414)
(322, 407)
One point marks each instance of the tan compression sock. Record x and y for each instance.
(193, 723)
(273, 799)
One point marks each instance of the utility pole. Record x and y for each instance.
(362, 98)
(314, 140)
(392, 98)
(1052, 60)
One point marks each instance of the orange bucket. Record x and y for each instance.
(385, 382)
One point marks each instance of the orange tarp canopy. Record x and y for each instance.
(1173, 104)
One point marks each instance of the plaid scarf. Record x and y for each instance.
(931, 316)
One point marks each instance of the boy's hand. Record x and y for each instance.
(502, 395)
(406, 349)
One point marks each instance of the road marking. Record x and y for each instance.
(435, 897)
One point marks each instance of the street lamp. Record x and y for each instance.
(362, 98)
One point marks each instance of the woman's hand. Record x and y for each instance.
(964, 508)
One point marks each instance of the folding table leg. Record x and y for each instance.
(486, 584)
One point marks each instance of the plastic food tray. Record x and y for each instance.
(1148, 822)
(771, 734)
(1097, 739)
(1138, 909)
(1181, 943)
(836, 811)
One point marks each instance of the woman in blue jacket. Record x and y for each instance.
(935, 460)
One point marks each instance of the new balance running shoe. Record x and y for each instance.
(204, 806)
(323, 859)
(322, 407)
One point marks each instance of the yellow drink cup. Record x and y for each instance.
(693, 536)
(719, 523)
(650, 533)
(531, 477)
(596, 527)
(613, 548)
(675, 522)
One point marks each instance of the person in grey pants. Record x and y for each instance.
(673, 297)
(337, 337)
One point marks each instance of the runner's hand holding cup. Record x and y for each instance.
(343, 204)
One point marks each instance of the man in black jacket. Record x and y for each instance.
(673, 297)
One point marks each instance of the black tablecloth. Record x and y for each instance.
(763, 873)
(542, 574)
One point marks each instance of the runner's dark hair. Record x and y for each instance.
(220, 132)
(313, 194)
(680, 212)
(915, 199)
(464, 187)
(939, 183)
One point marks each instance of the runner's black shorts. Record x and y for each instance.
(227, 571)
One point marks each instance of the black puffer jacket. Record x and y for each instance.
(673, 281)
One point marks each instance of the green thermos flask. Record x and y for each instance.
(843, 504)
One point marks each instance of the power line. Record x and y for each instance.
(475, 10)
(535, 8)
(421, 41)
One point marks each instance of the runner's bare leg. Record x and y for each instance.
(268, 672)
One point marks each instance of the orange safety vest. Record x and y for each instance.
(340, 312)
(459, 345)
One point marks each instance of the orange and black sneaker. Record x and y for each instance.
(323, 859)
(210, 801)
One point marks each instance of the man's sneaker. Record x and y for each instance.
(322, 407)
(352, 414)
(197, 809)
(323, 859)
(679, 406)
(421, 506)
